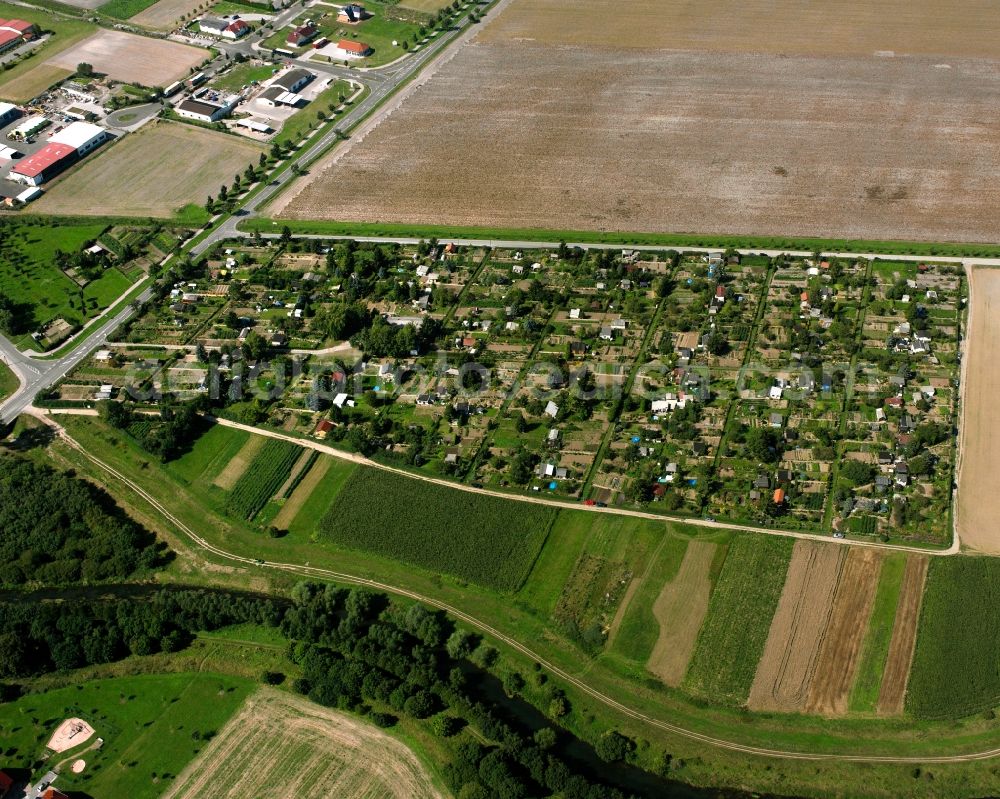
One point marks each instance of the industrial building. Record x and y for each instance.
(226, 28)
(203, 110)
(8, 113)
(15, 31)
(293, 80)
(64, 149)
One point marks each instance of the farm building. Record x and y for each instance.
(354, 49)
(352, 14)
(202, 111)
(83, 137)
(275, 95)
(8, 113)
(226, 28)
(302, 35)
(293, 80)
(15, 31)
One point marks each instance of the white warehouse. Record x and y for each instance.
(81, 136)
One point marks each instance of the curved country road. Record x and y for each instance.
(483, 627)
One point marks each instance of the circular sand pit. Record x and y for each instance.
(78, 766)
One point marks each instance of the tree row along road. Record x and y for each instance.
(485, 628)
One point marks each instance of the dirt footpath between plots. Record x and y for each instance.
(797, 629)
(680, 610)
(831, 681)
(978, 506)
(234, 470)
(284, 747)
(131, 58)
(904, 637)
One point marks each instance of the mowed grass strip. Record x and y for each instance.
(313, 497)
(639, 629)
(487, 540)
(955, 671)
(732, 638)
(8, 382)
(264, 476)
(146, 722)
(209, 455)
(182, 165)
(865, 692)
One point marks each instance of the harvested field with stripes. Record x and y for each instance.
(904, 637)
(830, 686)
(793, 643)
(680, 610)
(284, 747)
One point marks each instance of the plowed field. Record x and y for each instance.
(797, 630)
(830, 685)
(568, 117)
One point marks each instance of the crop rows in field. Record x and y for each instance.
(488, 540)
(258, 483)
(732, 638)
(955, 670)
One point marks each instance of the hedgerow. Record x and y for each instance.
(264, 476)
(484, 539)
(956, 671)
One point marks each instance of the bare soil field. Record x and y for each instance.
(230, 475)
(285, 747)
(719, 118)
(165, 14)
(153, 172)
(830, 686)
(680, 610)
(524, 136)
(788, 27)
(904, 637)
(977, 512)
(301, 493)
(136, 59)
(33, 82)
(800, 622)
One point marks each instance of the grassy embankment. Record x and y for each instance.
(526, 616)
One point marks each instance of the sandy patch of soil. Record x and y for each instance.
(680, 610)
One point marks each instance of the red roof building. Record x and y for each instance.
(355, 48)
(46, 163)
(53, 793)
(302, 35)
(238, 28)
(779, 496)
(6, 783)
(25, 28)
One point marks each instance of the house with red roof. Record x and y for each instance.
(302, 35)
(354, 49)
(6, 783)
